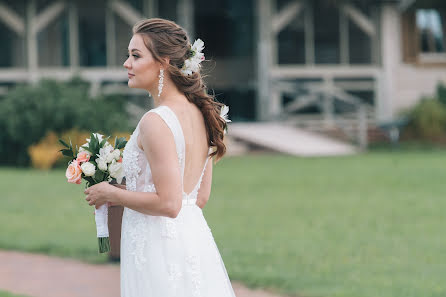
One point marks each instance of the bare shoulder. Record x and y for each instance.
(152, 124)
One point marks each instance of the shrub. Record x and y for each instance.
(427, 120)
(441, 93)
(29, 112)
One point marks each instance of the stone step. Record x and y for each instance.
(288, 139)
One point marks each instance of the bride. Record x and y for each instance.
(167, 248)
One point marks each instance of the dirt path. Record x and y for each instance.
(37, 275)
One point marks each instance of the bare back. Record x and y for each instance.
(196, 149)
(194, 130)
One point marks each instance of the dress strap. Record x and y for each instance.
(194, 192)
(174, 125)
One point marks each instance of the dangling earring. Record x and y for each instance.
(160, 82)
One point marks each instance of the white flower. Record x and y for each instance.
(88, 169)
(117, 154)
(102, 164)
(115, 169)
(224, 113)
(81, 149)
(198, 45)
(192, 64)
(106, 153)
(110, 157)
(98, 136)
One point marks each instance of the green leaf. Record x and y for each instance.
(89, 180)
(68, 153)
(99, 175)
(120, 143)
(64, 143)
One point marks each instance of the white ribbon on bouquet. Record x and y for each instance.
(101, 218)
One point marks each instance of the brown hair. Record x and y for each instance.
(164, 38)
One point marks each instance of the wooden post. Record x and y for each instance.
(150, 8)
(344, 38)
(110, 34)
(31, 40)
(73, 23)
(327, 103)
(391, 57)
(185, 12)
(362, 127)
(309, 34)
(264, 53)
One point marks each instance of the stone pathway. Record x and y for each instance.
(38, 275)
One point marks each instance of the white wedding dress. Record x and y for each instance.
(162, 256)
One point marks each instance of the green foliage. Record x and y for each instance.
(428, 120)
(441, 93)
(29, 112)
(7, 294)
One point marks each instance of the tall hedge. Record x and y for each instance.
(28, 112)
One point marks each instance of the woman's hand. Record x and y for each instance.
(100, 194)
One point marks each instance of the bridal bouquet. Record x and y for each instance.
(96, 161)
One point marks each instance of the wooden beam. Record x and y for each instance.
(126, 12)
(359, 19)
(336, 71)
(300, 102)
(11, 19)
(344, 38)
(73, 32)
(376, 38)
(263, 65)
(31, 42)
(115, 74)
(309, 35)
(110, 34)
(286, 15)
(185, 13)
(150, 8)
(49, 14)
(405, 4)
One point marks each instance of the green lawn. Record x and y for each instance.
(363, 226)
(6, 294)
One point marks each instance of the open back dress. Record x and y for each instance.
(162, 256)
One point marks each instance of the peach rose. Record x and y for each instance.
(74, 173)
(83, 157)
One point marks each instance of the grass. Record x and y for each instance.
(6, 294)
(362, 226)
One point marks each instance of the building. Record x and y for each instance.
(270, 59)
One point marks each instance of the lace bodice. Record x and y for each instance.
(136, 167)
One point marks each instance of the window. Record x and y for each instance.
(424, 39)
(430, 30)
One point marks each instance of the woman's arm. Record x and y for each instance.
(160, 150)
(205, 187)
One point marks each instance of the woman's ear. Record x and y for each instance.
(165, 62)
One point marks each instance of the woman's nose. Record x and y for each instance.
(126, 64)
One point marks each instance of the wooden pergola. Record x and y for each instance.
(381, 26)
(27, 27)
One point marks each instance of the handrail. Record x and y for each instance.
(327, 91)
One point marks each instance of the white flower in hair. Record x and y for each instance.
(224, 113)
(192, 64)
